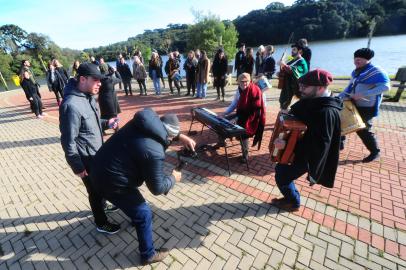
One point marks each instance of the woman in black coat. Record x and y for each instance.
(219, 72)
(56, 81)
(249, 62)
(109, 107)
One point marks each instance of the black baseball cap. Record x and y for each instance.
(89, 69)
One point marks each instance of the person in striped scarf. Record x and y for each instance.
(366, 87)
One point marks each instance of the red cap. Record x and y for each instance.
(317, 77)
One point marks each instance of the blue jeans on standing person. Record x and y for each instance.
(135, 207)
(155, 80)
(201, 90)
(285, 176)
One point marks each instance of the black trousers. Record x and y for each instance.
(127, 86)
(366, 135)
(191, 84)
(142, 85)
(290, 88)
(176, 85)
(36, 104)
(96, 201)
(220, 83)
(58, 94)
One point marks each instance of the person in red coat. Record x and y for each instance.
(250, 111)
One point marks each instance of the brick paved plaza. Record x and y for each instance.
(210, 220)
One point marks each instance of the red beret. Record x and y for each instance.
(317, 77)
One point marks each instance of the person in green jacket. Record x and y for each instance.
(290, 72)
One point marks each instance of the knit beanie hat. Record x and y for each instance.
(365, 53)
(171, 124)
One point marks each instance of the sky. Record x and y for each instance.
(84, 24)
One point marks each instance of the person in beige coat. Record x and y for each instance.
(202, 75)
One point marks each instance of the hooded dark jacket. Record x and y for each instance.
(80, 126)
(108, 102)
(132, 156)
(320, 146)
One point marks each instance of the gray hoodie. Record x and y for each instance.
(80, 126)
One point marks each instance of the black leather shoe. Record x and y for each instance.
(373, 156)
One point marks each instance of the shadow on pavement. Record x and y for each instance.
(27, 143)
(74, 240)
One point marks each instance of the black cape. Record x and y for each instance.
(320, 146)
(108, 101)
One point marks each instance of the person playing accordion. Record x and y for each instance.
(317, 153)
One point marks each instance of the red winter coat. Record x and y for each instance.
(251, 109)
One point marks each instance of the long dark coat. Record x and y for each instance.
(320, 146)
(108, 102)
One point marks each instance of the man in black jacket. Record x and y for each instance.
(318, 151)
(82, 134)
(126, 76)
(239, 60)
(132, 156)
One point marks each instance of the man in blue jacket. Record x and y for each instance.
(132, 156)
(366, 87)
(82, 134)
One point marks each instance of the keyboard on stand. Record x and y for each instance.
(221, 126)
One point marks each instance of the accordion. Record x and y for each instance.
(291, 130)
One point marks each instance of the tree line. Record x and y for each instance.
(208, 33)
(17, 45)
(321, 20)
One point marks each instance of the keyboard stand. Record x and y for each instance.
(223, 140)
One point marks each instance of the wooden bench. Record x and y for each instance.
(401, 77)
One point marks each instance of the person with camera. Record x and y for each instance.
(133, 156)
(82, 135)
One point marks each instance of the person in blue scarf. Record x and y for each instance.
(366, 87)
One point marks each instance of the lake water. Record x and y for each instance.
(336, 56)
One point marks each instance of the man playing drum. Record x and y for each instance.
(365, 89)
(317, 152)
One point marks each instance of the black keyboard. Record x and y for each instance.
(221, 126)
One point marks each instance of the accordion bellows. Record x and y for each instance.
(291, 130)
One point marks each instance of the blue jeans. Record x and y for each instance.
(201, 90)
(155, 80)
(285, 176)
(134, 206)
